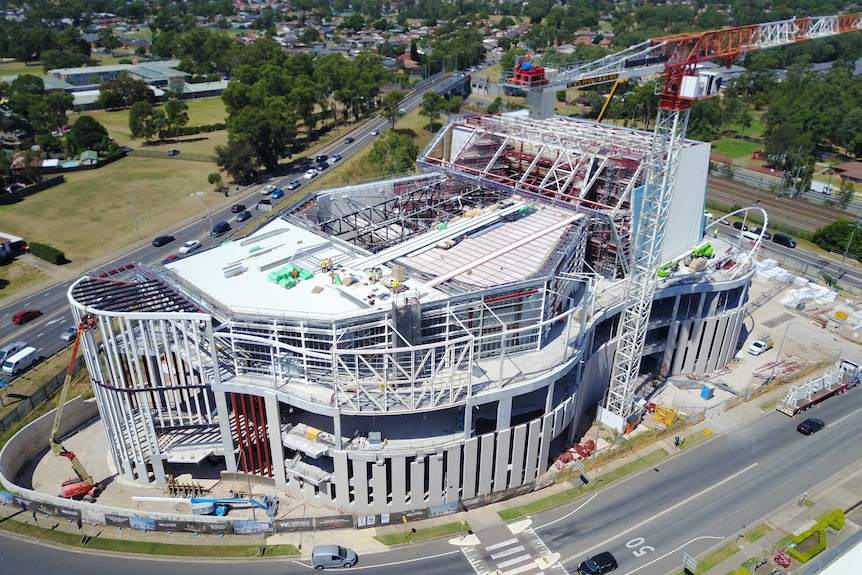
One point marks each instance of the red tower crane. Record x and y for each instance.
(677, 58)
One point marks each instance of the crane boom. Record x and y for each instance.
(677, 57)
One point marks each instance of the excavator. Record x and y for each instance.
(82, 485)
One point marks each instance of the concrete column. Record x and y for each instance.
(519, 444)
(399, 483)
(504, 413)
(226, 437)
(501, 461)
(532, 454)
(417, 484)
(468, 481)
(342, 486)
(360, 487)
(486, 463)
(273, 418)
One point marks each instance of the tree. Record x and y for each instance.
(109, 41)
(145, 121)
(215, 179)
(237, 159)
(846, 193)
(432, 104)
(394, 153)
(390, 106)
(123, 92)
(87, 134)
(176, 118)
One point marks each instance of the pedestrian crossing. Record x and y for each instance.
(500, 551)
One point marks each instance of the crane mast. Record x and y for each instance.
(677, 58)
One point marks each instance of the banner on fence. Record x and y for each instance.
(293, 524)
(334, 522)
(252, 527)
(497, 496)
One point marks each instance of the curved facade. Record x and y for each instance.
(402, 345)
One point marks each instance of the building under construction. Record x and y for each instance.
(416, 342)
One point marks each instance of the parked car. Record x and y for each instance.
(162, 240)
(810, 425)
(336, 158)
(604, 562)
(321, 158)
(740, 226)
(349, 140)
(322, 166)
(126, 148)
(220, 228)
(761, 345)
(69, 333)
(278, 193)
(173, 152)
(309, 174)
(170, 258)
(760, 231)
(237, 208)
(293, 184)
(190, 246)
(243, 216)
(323, 556)
(783, 240)
(25, 315)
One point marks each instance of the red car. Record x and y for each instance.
(25, 315)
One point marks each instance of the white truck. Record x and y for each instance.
(821, 188)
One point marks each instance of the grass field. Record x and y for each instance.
(735, 149)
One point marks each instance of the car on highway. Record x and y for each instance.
(162, 240)
(189, 246)
(323, 556)
(783, 240)
(810, 425)
(278, 193)
(349, 140)
(69, 333)
(220, 229)
(740, 226)
(170, 258)
(336, 157)
(375, 132)
(322, 166)
(293, 184)
(237, 208)
(604, 562)
(243, 216)
(25, 315)
(309, 174)
(321, 158)
(760, 231)
(173, 152)
(267, 190)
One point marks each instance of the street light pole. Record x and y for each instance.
(206, 209)
(849, 243)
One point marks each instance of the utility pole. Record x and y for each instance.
(847, 249)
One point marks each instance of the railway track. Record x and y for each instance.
(798, 213)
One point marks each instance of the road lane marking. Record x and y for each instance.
(569, 514)
(405, 562)
(675, 551)
(686, 501)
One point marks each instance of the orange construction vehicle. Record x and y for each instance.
(82, 485)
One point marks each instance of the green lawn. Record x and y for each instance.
(735, 149)
(435, 532)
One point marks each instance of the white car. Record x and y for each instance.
(69, 334)
(267, 190)
(375, 132)
(309, 174)
(190, 246)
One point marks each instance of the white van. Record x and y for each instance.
(25, 358)
(750, 236)
(11, 349)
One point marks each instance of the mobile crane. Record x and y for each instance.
(82, 485)
(677, 58)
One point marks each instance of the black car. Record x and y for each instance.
(740, 226)
(237, 208)
(604, 562)
(349, 140)
(321, 158)
(783, 240)
(162, 241)
(173, 152)
(322, 166)
(243, 216)
(220, 228)
(810, 425)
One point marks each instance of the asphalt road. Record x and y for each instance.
(684, 504)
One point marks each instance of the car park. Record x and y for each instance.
(237, 208)
(322, 166)
(321, 158)
(336, 157)
(323, 556)
(810, 425)
(243, 216)
(604, 562)
(278, 193)
(783, 240)
(309, 174)
(349, 140)
(740, 226)
(69, 333)
(173, 152)
(760, 231)
(162, 240)
(761, 345)
(190, 246)
(25, 315)
(220, 229)
(293, 184)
